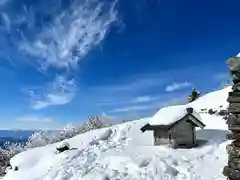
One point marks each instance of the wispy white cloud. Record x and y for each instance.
(6, 21)
(34, 119)
(4, 2)
(35, 122)
(72, 34)
(128, 91)
(178, 100)
(142, 99)
(61, 92)
(177, 86)
(140, 107)
(133, 108)
(132, 85)
(150, 107)
(61, 42)
(222, 76)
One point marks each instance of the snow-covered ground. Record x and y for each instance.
(124, 152)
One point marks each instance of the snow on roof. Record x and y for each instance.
(170, 115)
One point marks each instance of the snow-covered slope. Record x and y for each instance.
(124, 152)
(214, 100)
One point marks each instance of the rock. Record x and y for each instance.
(63, 146)
(235, 81)
(234, 94)
(222, 112)
(234, 108)
(234, 136)
(15, 168)
(234, 64)
(234, 162)
(233, 151)
(236, 77)
(236, 87)
(234, 128)
(8, 169)
(231, 173)
(236, 143)
(211, 111)
(230, 136)
(233, 119)
(225, 117)
(233, 99)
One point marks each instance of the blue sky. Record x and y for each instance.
(63, 61)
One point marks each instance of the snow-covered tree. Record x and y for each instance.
(194, 95)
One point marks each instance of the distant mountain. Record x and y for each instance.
(16, 133)
(12, 140)
(15, 136)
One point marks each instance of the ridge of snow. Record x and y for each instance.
(170, 115)
(124, 152)
(213, 100)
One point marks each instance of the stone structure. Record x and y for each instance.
(232, 170)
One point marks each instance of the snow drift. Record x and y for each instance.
(124, 152)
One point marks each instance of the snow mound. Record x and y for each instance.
(170, 115)
(63, 144)
(124, 152)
